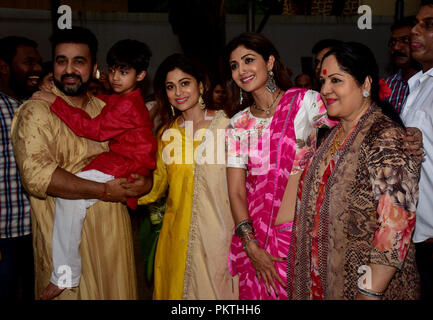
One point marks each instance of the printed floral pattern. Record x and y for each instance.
(244, 132)
(395, 227)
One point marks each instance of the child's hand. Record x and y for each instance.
(47, 86)
(44, 96)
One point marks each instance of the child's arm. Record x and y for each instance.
(113, 120)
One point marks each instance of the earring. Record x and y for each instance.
(201, 102)
(365, 94)
(270, 85)
(241, 99)
(172, 111)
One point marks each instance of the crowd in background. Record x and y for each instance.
(265, 188)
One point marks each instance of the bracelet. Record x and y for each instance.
(246, 238)
(243, 227)
(369, 293)
(248, 241)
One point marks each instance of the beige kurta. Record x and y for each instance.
(42, 142)
(192, 255)
(206, 269)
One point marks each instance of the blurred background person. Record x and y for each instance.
(318, 51)
(46, 83)
(403, 64)
(96, 87)
(20, 66)
(20, 71)
(216, 97)
(303, 81)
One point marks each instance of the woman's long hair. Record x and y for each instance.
(260, 44)
(187, 65)
(358, 60)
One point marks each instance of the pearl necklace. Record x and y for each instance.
(268, 110)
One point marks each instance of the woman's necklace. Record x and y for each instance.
(268, 110)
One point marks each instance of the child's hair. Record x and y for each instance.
(129, 54)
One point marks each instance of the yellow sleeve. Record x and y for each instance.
(160, 179)
(32, 136)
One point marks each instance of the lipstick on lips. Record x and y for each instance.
(181, 101)
(247, 79)
(330, 101)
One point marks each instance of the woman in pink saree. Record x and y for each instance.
(268, 143)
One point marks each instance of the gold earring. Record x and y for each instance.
(172, 111)
(201, 102)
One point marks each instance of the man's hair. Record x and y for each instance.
(323, 44)
(129, 54)
(405, 22)
(426, 3)
(75, 35)
(9, 47)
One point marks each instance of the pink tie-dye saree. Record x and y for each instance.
(269, 169)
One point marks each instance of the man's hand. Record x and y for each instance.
(412, 143)
(118, 190)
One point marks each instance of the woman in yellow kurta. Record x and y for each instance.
(191, 256)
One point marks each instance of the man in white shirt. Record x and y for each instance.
(418, 112)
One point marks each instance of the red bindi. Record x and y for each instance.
(324, 72)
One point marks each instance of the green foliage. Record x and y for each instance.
(149, 234)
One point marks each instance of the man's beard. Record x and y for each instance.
(20, 86)
(75, 90)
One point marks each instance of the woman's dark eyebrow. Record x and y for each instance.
(248, 54)
(186, 78)
(335, 74)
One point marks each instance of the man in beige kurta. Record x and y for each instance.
(41, 143)
(48, 154)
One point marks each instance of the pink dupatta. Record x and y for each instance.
(266, 189)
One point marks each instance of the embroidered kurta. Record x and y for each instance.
(42, 142)
(193, 246)
(355, 209)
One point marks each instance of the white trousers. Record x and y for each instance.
(69, 216)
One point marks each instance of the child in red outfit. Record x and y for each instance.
(124, 122)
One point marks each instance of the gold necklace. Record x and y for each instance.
(268, 110)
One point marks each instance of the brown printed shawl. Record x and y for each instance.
(348, 219)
